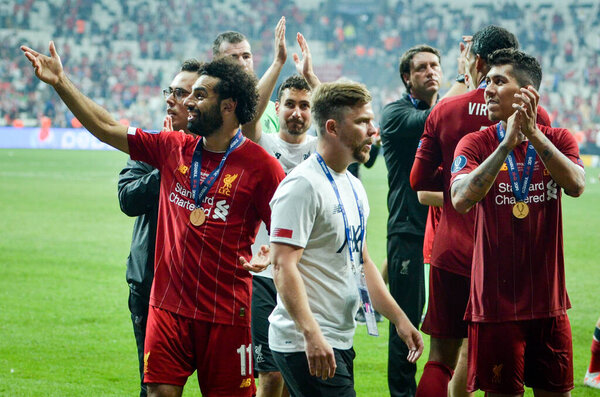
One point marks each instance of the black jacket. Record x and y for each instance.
(402, 125)
(139, 187)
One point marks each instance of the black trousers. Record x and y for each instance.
(407, 286)
(138, 306)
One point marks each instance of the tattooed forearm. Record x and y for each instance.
(547, 154)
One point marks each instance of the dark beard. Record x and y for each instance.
(207, 123)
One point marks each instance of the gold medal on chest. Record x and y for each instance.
(197, 217)
(520, 210)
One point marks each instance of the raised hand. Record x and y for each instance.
(465, 50)
(259, 262)
(49, 69)
(280, 48)
(527, 109)
(304, 65)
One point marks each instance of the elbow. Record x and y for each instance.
(576, 191)
(461, 204)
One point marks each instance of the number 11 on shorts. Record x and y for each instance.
(245, 352)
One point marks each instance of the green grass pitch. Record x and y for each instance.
(64, 324)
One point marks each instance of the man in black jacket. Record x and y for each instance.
(139, 185)
(402, 123)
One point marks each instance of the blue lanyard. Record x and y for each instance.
(343, 210)
(414, 101)
(520, 187)
(199, 190)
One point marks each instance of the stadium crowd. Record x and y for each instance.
(134, 46)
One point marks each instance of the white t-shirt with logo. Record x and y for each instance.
(305, 213)
(289, 156)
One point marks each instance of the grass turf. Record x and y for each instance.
(64, 324)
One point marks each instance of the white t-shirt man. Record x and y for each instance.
(305, 213)
(289, 156)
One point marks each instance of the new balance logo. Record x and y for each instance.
(221, 210)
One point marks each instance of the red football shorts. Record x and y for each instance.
(505, 356)
(175, 346)
(448, 297)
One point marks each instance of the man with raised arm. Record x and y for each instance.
(214, 193)
(322, 269)
(139, 187)
(290, 146)
(512, 175)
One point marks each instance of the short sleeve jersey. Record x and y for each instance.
(306, 214)
(449, 121)
(197, 273)
(518, 264)
(289, 156)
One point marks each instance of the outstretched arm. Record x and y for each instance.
(266, 84)
(93, 117)
(290, 287)
(304, 65)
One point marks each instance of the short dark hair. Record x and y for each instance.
(331, 100)
(191, 65)
(406, 59)
(526, 69)
(296, 82)
(235, 83)
(227, 37)
(492, 38)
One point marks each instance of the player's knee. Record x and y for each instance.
(445, 350)
(162, 390)
(270, 382)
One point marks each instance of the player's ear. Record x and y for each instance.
(406, 80)
(228, 105)
(331, 127)
(479, 63)
(277, 107)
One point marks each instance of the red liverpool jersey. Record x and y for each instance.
(196, 270)
(449, 121)
(518, 264)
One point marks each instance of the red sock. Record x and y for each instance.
(434, 381)
(595, 361)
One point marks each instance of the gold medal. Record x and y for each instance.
(520, 209)
(197, 217)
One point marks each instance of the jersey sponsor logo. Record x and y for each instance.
(356, 236)
(221, 210)
(477, 109)
(538, 193)
(227, 182)
(283, 233)
(146, 357)
(458, 163)
(246, 383)
(183, 168)
(552, 192)
(497, 373)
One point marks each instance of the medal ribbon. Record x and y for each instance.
(359, 274)
(199, 190)
(520, 187)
